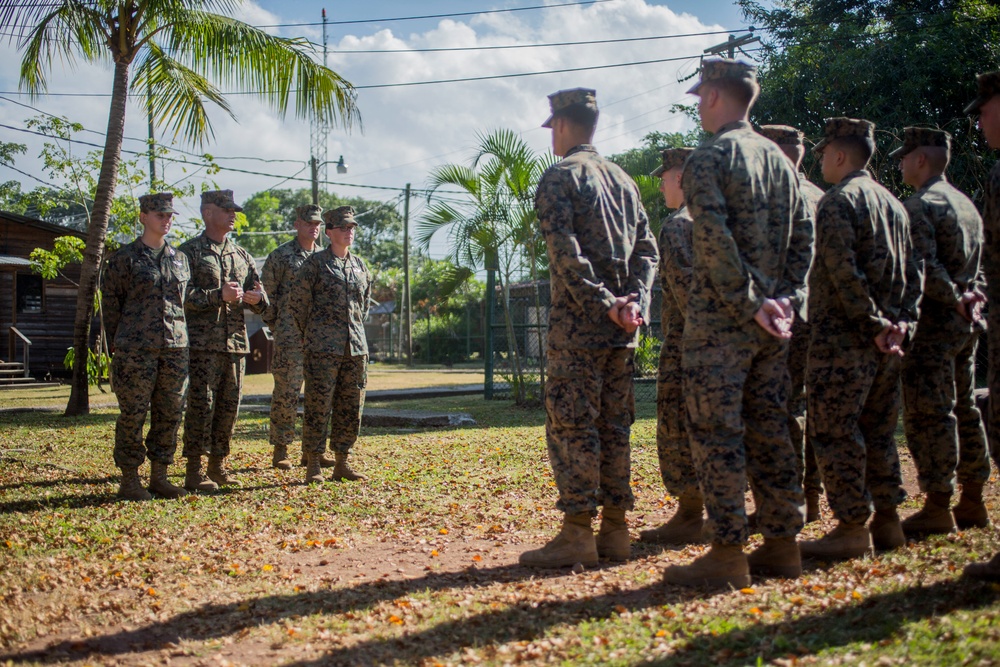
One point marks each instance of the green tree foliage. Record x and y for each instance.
(175, 49)
(639, 162)
(894, 62)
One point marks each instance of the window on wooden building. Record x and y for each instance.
(30, 293)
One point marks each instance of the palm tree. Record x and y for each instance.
(176, 48)
(495, 227)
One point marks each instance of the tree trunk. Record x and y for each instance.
(79, 397)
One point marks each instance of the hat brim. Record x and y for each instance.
(973, 106)
(693, 90)
(823, 143)
(659, 171)
(899, 152)
(548, 121)
(313, 218)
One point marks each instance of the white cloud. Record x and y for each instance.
(409, 130)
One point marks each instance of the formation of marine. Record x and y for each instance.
(798, 326)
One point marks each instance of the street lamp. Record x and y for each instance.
(314, 167)
(341, 166)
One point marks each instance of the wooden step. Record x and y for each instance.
(29, 383)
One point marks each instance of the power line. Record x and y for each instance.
(436, 16)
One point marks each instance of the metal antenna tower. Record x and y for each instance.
(319, 133)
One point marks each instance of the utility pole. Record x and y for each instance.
(407, 318)
(732, 44)
(152, 137)
(319, 133)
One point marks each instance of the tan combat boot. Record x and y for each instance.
(217, 471)
(194, 480)
(812, 506)
(933, 518)
(314, 472)
(988, 571)
(887, 530)
(847, 540)
(342, 471)
(613, 541)
(574, 544)
(279, 459)
(723, 566)
(970, 512)
(684, 527)
(131, 486)
(160, 485)
(777, 557)
(324, 460)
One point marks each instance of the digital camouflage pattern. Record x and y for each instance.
(713, 69)
(798, 347)
(671, 158)
(915, 137)
(672, 446)
(142, 294)
(342, 216)
(752, 240)
(585, 98)
(599, 247)
(160, 202)
(219, 342)
(334, 401)
(213, 402)
(589, 410)
(286, 366)
(783, 135)
(991, 269)
(329, 300)
(842, 127)
(944, 429)
(221, 198)
(987, 85)
(864, 278)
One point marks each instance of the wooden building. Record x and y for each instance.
(42, 311)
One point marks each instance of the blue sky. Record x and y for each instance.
(409, 130)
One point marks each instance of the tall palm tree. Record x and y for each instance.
(176, 48)
(495, 227)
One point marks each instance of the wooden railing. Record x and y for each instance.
(14, 334)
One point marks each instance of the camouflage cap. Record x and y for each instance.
(840, 127)
(585, 98)
(160, 202)
(783, 135)
(915, 137)
(342, 216)
(988, 85)
(672, 157)
(221, 198)
(309, 213)
(724, 68)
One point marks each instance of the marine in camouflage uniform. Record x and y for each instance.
(601, 255)
(987, 106)
(142, 290)
(218, 334)
(329, 301)
(752, 245)
(944, 429)
(286, 367)
(864, 282)
(790, 141)
(672, 446)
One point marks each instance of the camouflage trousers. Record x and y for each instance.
(852, 412)
(672, 446)
(944, 429)
(152, 381)
(334, 399)
(798, 349)
(288, 375)
(589, 410)
(736, 392)
(213, 402)
(993, 382)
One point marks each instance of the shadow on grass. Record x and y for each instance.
(48, 483)
(875, 619)
(59, 503)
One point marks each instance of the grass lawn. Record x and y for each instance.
(418, 565)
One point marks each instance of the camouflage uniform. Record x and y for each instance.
(944, 429)
(277, 276)
(219, 342)
(329, 301)
(864, 278)
(599, 247)
(752, 241)
(142, 293)
(676, 255)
